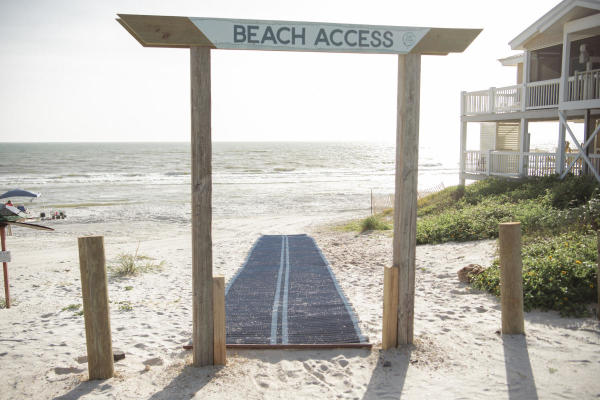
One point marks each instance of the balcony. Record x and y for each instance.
(531, 96)
(516, 164)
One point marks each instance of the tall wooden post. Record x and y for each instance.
(5, 267)
(94, 290)
(202, 279)
(405, 201)
(511, 278)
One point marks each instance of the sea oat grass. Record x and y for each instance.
(134, 264)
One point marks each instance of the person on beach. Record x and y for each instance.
(9, 203)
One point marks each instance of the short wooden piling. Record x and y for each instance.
(389, 337)
(220, 351)
(511, 278)
(5, 268)
(94, 290)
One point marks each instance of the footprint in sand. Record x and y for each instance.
(153, 362)
(67, 370)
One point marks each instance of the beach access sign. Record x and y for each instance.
(308, 36)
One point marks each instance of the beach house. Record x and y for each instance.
(557, 79)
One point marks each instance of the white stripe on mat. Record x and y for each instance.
(277, 295)
(284, 316)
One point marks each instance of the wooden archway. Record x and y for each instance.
(201, 35)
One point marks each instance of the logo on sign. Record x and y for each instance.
(409, 39)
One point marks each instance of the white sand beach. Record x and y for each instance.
(458, 351)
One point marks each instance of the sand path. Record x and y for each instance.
(458, 353)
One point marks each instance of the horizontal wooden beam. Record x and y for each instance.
(240, 34)
(163, 31)
(441, 41)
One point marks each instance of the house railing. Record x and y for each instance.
(584, 85)
(539, 95)
(543, 94)
(507, 99)
(510, 163)
(477, 102)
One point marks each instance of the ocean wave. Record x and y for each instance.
(177, 173)
(280, 169)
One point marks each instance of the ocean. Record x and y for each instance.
(103, 182)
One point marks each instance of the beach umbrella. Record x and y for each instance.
(19, 193)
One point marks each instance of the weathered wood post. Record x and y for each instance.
(202, 279)
(405, 200)
(389, 337)
(220, 351)
(94, 290)
(5, 266)
(511, 278)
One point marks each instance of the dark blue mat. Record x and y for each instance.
(287, 294)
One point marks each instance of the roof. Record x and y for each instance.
(511, 61)
(550, 25)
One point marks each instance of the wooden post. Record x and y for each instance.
(5, 267)
(94, 290)
(220, 352)
(463, 138)
(560, 149)
(588, 129)
(511, 278)
(524, 147)
(405, 200)
(389, 337)
(202, 282)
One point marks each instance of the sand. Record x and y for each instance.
(458, 351)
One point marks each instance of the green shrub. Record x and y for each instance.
(125, 306)
(481, 221)
(374, 222)
(573, 191)
(559, 273)
(72, 307)
(436, 203)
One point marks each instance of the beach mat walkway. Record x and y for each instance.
(286, 295)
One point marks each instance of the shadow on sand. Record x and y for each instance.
(189, 381)
(387, 379)
(519, 375)
(193, 379)
(82, 389)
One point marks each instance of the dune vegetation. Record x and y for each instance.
(559, 221)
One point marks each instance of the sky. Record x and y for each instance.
(69, 72)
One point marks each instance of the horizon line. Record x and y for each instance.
(189, 141)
